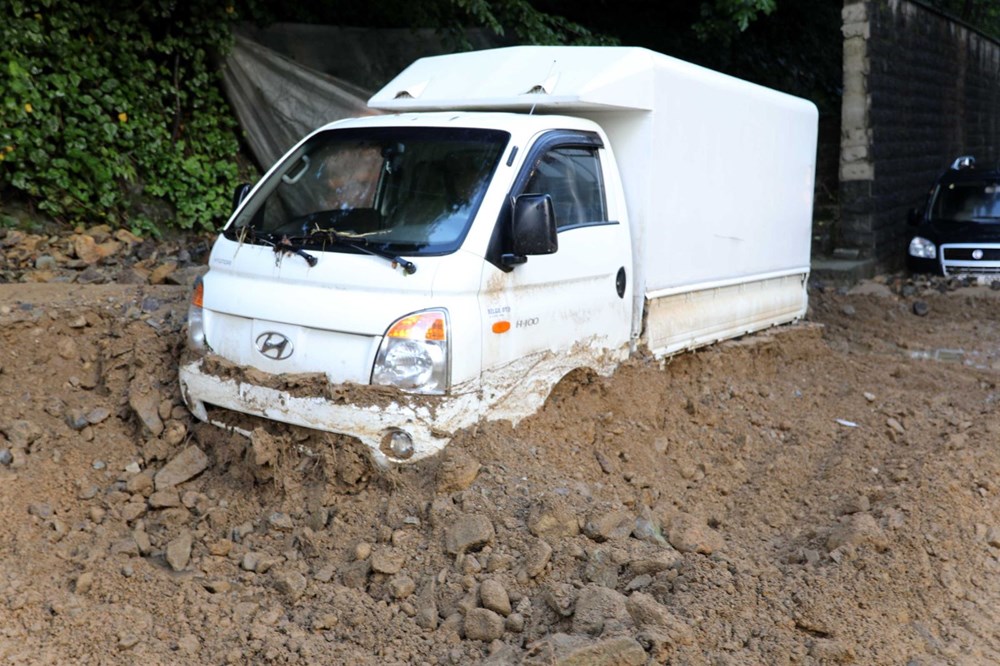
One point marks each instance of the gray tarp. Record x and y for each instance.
(278, 101)
(288, 79)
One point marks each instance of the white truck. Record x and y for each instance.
(519, 213)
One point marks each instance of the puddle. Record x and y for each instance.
(948, 355)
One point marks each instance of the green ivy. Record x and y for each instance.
(112, 113)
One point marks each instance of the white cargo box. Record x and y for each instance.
(718, 172)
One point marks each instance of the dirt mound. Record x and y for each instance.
(822, 493)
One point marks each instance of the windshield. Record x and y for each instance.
(969, 201)
(406, 190)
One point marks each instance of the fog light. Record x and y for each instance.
(397, 444)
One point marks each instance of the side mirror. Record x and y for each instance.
(241, 192)
(533, 228)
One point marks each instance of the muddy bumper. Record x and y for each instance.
(399, 429)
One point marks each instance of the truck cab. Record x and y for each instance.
(418, 264)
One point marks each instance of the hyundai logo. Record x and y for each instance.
(977, 254)
(274, 346)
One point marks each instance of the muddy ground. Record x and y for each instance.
(822, 494)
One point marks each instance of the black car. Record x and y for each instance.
(958, 231)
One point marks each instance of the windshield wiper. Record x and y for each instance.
(361, 244)
(282, 245)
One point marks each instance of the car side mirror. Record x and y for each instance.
(533, 228)
(913, 217)
(241, 192)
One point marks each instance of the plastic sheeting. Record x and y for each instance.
(278, 101)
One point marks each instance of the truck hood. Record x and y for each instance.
(353, 293)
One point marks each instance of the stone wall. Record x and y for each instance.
(919, 90)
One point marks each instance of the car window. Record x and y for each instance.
(572, 177)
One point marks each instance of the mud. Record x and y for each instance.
(816, 494)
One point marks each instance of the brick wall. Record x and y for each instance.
(919, 90)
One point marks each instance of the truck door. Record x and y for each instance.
(566, 307)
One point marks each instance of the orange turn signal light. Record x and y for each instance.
(198, 295)
(501, 326)
(424, 326)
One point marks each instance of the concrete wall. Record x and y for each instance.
(919, 90)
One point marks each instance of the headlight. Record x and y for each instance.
(922, 248)
(196, 318)
(414, 354)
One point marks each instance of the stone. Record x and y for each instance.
(597, 606)
(290, 583)
(401, 586)
(646, 611)
(174, 432)
(493, 596)
(609, 525)
(469, 532)
(553, 520)
(163, 499)
(145, 403)
(179, 551)
(189, 463)
(620, 651)
(689, 534)
(21, 433)
(280, 521)
(458, 471)
(536, 557)
(387, 561)
(661, 561)
(601, 568)
(84, 582)
(920, 308)
(140, 484)
(482, 624)
(856, 530)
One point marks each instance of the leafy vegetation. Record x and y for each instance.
(983, 15)
(113, 113)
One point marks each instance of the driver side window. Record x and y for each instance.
(571, 175)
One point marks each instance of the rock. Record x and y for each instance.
(609, 525)
(356, 573)
(869, 288)
(174, 433)
(536, 557)
(164, 499)
(6, 457)
(920, 308)
(67, 349)
(662, 561)
(601, 568)
(848, 310)
(189, 463)
(560, 597)
(401, 586)
(689, 534)
(141, 483)
(362, 551)
(493, 596)
(596, 607)
(145, 403)
(427, 610)
(553, 520)
(290, 583)
(160, 274)
(281, 522)
(179, 551)
(646, 611)
(458, 471)
(514, 623)
(470, 532)
(993, 537)
(21, 433)
(482, 624)
(387, 561)
(40, 510)
(620, 651)
(855, 530)
(142, 542)
(828, 651)
(132, 511)
(84, 582)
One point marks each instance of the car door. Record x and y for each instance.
(570, 305)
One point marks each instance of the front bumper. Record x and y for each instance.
(371, 414)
